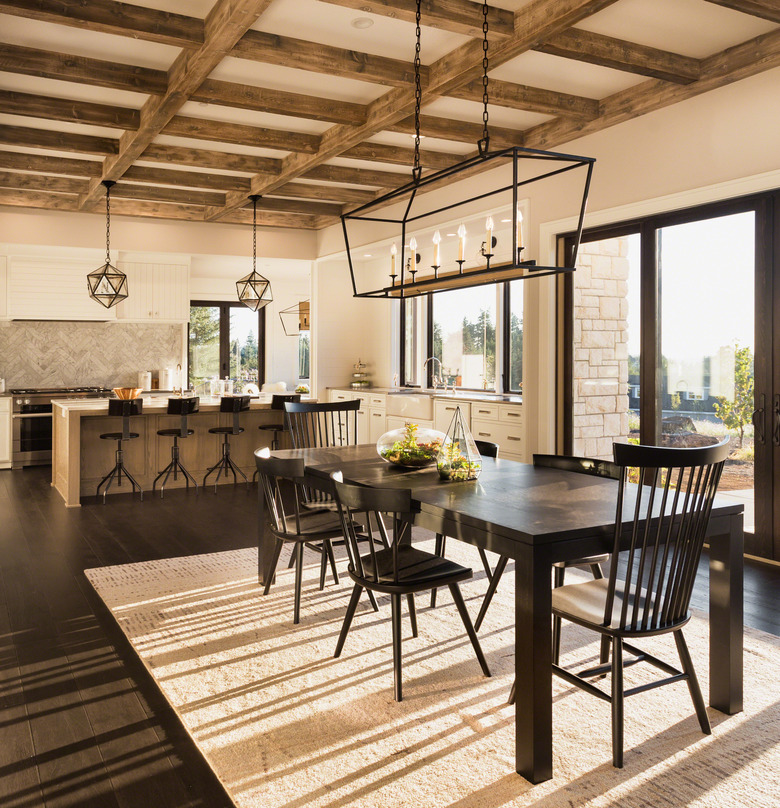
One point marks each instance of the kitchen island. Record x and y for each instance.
(80, 458)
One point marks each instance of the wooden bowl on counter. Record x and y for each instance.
(127, 392)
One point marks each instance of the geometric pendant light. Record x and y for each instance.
(107, 284)
(253, 289)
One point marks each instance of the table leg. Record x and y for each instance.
(726, 618)
(265, 543)
(533, 664)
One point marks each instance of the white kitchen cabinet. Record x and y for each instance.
(5, 433)
(3, 288)
(444, 411)
(51, 288)
(505, 428)
(396, 422)
(158, 292)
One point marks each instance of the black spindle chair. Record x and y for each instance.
(664, 501)
(397, 568)
(290, 524)
(278, 400)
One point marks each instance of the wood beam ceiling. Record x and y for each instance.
(766, 9)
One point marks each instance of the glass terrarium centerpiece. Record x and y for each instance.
(410, 446)
(458, 458)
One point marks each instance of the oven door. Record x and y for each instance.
(31, 439)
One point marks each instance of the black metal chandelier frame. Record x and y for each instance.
(492, 273)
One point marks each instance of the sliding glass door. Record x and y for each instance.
(668, 329)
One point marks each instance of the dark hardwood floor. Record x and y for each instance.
(81, 723)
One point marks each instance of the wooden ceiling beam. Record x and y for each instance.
(354, 176)
(766, 9)
(225, 24)
(530, 99)
(41, 182)
(62, 109)
(46, 164)
(535, 22)
(154, 193)
(618, 54)
(297, 206)
(241, 134)
(263, 99)
(285, 51)
(399, 155)
(189, 179)
(329, 193)
(458, 16)
(459, 131)
(81, 69)
(206, 158)
(59, 141)
(110, 17)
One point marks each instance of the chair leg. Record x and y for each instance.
(274, 562)
(464, 616)
(353, 602)
(485, 563)
(374, 604)
(497, 573)
(328, 545)
(323, 565)
(617, 702)
(441, 542)
(412, 613)
(298, 582)
(512, 694)
(693, 683)
(395, 619)
(559, 573)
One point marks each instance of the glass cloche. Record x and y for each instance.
(410, 446)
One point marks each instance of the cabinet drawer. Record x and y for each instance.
(486, 430)
(443, 412)
(341, 395)
(377, 400)
(396, 422)
(484, 412)
(511, 414)
(509, 437)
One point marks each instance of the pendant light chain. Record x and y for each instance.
(254, 233)
(108, 185)
(417, 169)
(485, 141)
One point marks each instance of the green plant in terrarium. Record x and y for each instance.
(410, 446)
(458, 458)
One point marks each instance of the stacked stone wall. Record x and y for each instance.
(600, 377)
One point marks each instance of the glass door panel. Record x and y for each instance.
(706, 272)
(243, 346)
(606, 345)
(204, 344)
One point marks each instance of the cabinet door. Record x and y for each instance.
(5, 432)
(363, 427)
(444, 411)
(376, 423)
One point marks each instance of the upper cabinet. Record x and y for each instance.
(51, 288)
(155, 292)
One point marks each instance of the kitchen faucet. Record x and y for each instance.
(435, 382)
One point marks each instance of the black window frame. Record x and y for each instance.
(224, 307)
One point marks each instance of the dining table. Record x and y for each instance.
(538, 516)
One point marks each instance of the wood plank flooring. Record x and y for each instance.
(81, 723)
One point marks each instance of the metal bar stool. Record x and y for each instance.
(125, 408)
(181, 407)
(277, 403)
(234, 405)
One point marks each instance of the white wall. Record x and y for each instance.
(716, 139)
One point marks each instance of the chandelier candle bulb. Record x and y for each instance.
(413, 248)
(519, 228)
(393, 253)
(461, 241)
(436, 241)
(489, 235)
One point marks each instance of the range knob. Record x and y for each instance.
(27, 401)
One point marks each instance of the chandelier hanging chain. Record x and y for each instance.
(108, 185)
(484, 143)
(254, 233)
(417, 169)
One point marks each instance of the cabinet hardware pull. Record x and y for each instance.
(483, 434)
(512, 437)
(759, 421)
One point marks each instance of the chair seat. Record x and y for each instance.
(118, 436)
(583, 562)
(225, 430)
(274, 427)
(415, 568)
(174, 433)
(321, 524)
(584, 603)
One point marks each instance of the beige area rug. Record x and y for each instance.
(284, 725)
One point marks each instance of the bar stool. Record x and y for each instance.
(277, 403)
(124, 408)
(234, 405)
(181, 407)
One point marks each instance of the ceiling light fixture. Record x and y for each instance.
(107, 284)
(501, 255)
(254, 291)
(296, 318)
(362, 23)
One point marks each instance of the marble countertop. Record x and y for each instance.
(151, 404)
(462, 395)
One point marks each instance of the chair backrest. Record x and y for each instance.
(183, 407)
(581, 465)
(278, 400)
(668, 515)
(235, 405)
(313, 425)
(125, 407)
(373, 509)
(272, 474)
(487, 448)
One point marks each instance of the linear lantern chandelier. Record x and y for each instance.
(429, 262)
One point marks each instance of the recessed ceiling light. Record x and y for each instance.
(362, 22)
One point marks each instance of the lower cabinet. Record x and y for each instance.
(507, 432)
(5, 433)
(396, 422)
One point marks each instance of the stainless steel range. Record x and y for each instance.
(31, 421)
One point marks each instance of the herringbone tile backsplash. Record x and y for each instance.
(58, 354)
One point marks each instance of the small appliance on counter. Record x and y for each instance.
(145, 379)
(360, 380)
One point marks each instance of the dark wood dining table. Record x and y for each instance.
(537, 516)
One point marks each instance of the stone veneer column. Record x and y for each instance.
(600, 347)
